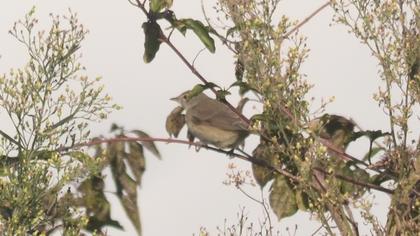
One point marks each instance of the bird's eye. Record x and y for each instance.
(185, 96)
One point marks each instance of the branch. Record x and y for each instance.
(356, 182)
(249, 158)
(10, 139)
(304, 21)
(166, 40)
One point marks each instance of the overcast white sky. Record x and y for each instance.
(184, 190)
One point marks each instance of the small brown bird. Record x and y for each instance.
(212, 121)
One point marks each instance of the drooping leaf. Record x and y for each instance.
(175, 121)
(239, 70)
(97, 206)
(378, 179)
(152, 41)
(199, 29)
(302, 200)
(116, 155)
(131, 209)
(149, 145)
(158, 5)
(126, 187)
(129, 185)
(282, 198)
(243, 87)
(136, 160)
(262, 175)
(357, 174)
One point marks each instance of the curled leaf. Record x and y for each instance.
(199, 29)
(149, 145)
(152, 40)
(262, 174)
(158, 5)
(175, 121)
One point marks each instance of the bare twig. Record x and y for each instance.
(304, 21)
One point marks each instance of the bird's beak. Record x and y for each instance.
(175, 99)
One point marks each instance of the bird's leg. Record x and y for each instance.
(200, 145)
(231, 152)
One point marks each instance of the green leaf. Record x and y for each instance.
(152, 40)
(283, 198)
(149, 145)
(196, 90)
(158, 5)
(199, 29)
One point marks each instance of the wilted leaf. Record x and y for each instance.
(149, 145)
(282, 198)
(157, 5)
(302, 201)
(116, 155)
(130, 207)
(175, 121)
(97, 206)
(261, 174)
(136, 160)
(357, 174)
(152, 40)
(128, 184)
(239, 70)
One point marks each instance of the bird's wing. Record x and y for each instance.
(219, 115)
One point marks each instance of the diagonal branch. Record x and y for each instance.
(10, 139)
(304, 21)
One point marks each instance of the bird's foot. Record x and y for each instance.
(231, 153)
(199, 145)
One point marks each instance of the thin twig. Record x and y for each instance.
(356, 182)
(164, 39)
(304, 21)
(246, 157)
